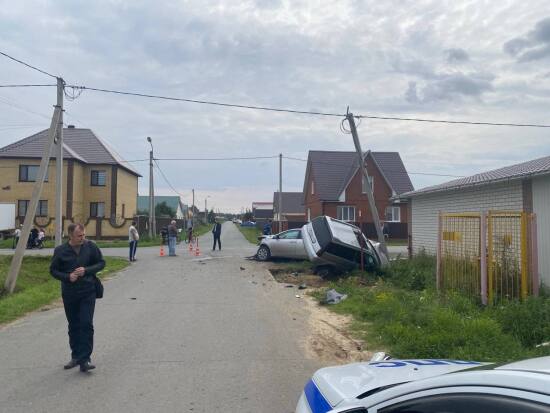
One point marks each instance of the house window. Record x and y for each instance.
(97, 209)
(312, 187)
(393, 214)
(29, 173)
(98, 178)
(346, 213)
(42, 208)
(22, 206)
(364, 184)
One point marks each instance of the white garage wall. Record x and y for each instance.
(425, 208)
(541, 207)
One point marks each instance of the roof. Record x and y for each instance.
(171, 201)
(82, 145)
(333, 170)
(293, 202)
(263, 213)
(540, 166)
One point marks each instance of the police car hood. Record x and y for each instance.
(352, 380)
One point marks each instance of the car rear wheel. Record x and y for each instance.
(263, 253)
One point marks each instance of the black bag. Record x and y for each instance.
(98, 288)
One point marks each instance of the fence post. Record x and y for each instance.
(524, 261)
(490, 268)
(534, 256)
(483, 256)
(438, 252)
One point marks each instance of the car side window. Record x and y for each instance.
(290, 235)
(466, 403)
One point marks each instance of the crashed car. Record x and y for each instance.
(286, 244)
(429, 386)
(336, 245)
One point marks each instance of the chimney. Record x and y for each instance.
(70, 126)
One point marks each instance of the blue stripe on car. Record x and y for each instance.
(317, 403)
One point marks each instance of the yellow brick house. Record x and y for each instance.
(100, 187)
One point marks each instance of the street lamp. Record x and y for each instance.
(152, 218)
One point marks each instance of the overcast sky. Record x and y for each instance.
(459, 60)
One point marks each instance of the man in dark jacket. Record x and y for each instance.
(217, 232)
(76, 264)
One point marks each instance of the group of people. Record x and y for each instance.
(36, 238)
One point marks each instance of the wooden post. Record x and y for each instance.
(535, 256)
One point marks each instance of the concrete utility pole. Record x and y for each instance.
(280, 207)
(152, 223)
(370, 195)
(59, 168)
(15, 266)
(193, 208)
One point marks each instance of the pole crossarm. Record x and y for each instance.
(31, 210)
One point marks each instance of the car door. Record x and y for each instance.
(467, 400)
(286, 243)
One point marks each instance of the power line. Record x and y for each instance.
(206, 102)
(16, 86)
(28, 65)
(389, 170)
(166, 179)
(454, 122)
(207, 159)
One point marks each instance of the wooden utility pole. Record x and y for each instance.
(31, 209)
(370, 195)
(280, 207)
(59, 168)
(152, 218)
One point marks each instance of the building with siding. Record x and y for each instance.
(173, 202)
(100, 188)
(522, 187)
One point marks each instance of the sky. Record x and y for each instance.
(456, 60)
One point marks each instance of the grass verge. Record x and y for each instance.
(250, 233)
(35, 286)
(404, 315)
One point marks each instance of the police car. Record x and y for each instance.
(429, 386)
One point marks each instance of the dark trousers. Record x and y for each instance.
(133, 249)
(217, 238)
(15, 241)
(79, 310)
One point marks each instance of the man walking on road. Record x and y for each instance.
(172, 237)
(76, 264)
(133, 238)
(16, 235)
(217, 232)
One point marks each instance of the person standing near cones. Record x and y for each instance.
(217, 232)
(76, 264)
(172, 237)
(133, 238)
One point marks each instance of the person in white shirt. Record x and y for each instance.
(16, 235)
(133, 238)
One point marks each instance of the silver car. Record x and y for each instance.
(286, 244)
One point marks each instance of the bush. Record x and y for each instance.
(418, 273)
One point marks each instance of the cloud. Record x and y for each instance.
(457, 55)
(535, 45)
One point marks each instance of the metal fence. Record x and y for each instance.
(489, 255)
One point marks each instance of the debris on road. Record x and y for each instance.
(242, 268)
(302, 286)
(289, 286)
(298, 296)
(334, 297)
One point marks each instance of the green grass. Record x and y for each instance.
(250, 233)
(397, 243)
(294, 266)
(404, 315)
(35, 286)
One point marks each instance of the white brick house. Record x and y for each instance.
(522, 187)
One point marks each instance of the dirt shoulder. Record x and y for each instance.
(330, 339)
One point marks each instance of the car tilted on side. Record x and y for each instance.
(429, 386)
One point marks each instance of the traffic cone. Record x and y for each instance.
(162, 250)
(197, 250)
(190, 247)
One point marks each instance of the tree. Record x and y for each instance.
(248, 216)
(211, 216)
(163, 210)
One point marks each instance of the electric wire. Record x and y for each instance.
(207, 159)
(166, 179)
(16, 86)
(26, 64)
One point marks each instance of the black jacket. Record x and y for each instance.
(65, 260)
(217, 229)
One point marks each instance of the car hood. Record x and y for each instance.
(340, 383)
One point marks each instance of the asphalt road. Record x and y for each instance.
(173, 334)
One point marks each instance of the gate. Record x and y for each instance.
(488, 255)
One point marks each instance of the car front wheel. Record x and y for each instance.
(263, 253)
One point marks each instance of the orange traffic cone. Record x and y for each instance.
(162, 250)
(190, 247)
(197, 250)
